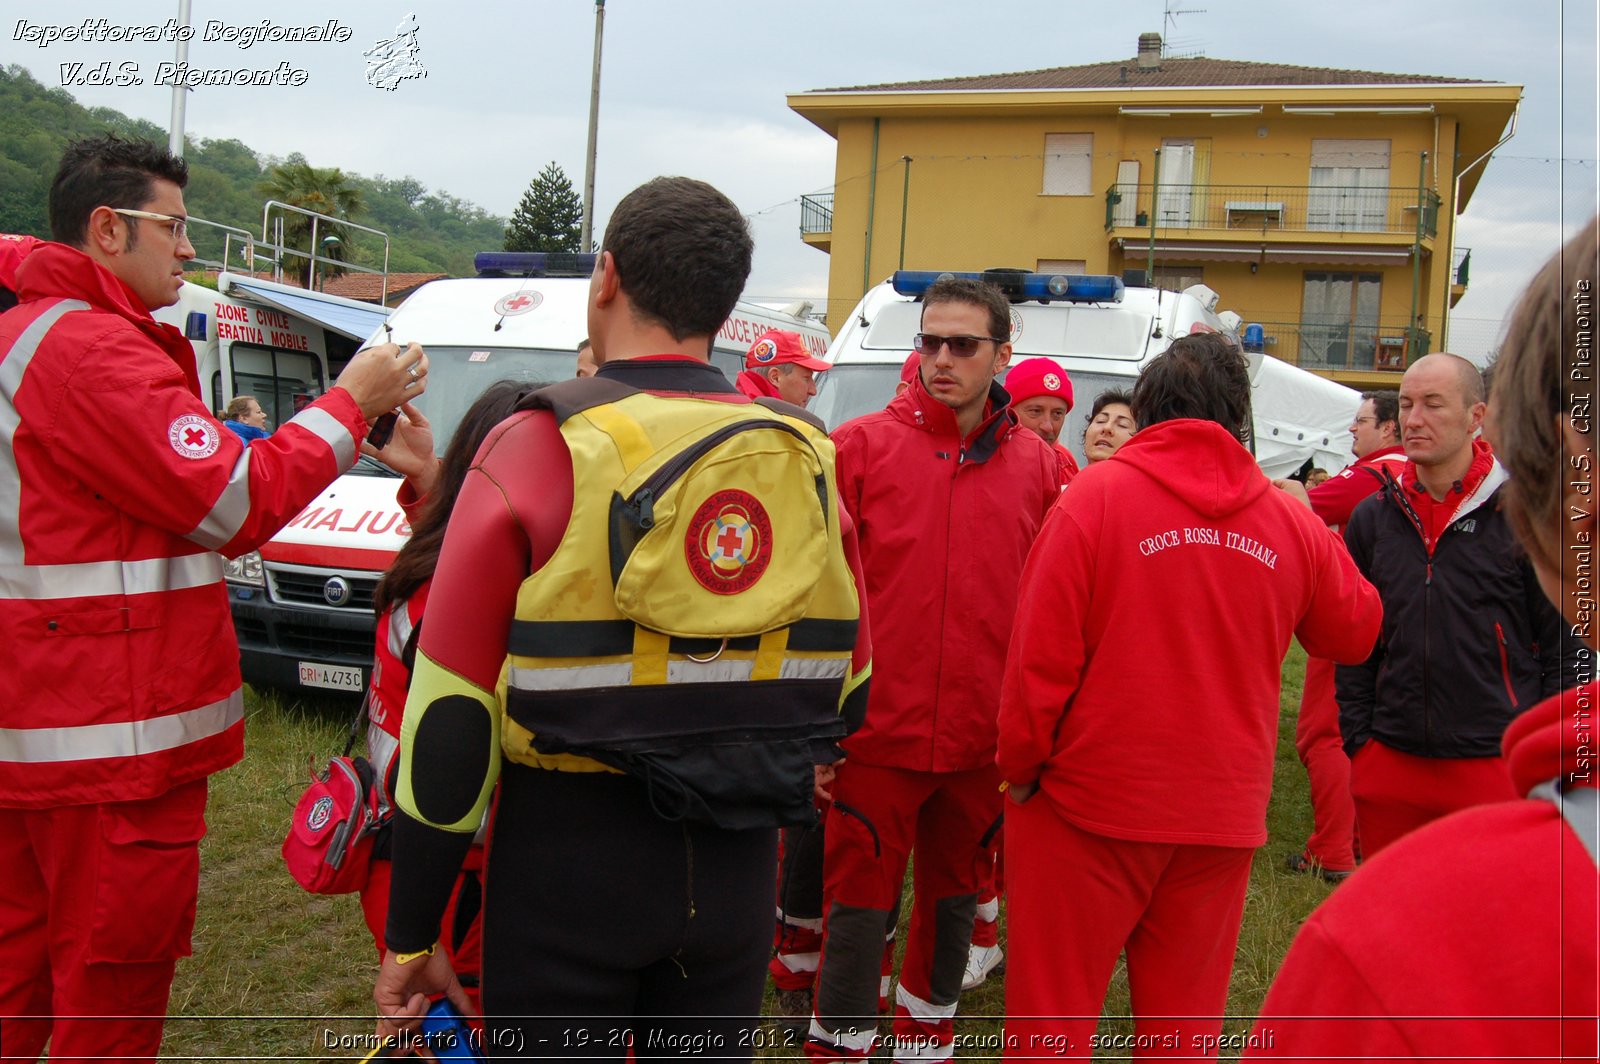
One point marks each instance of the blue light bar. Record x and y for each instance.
(533, 263)
(1020, 287)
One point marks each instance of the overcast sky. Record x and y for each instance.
(697, 87)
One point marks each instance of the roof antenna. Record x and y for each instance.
(1169, 22)
(527, 275)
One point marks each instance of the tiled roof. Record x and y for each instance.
(367, 285)
(1172, 73)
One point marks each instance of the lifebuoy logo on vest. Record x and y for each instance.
(730, 542)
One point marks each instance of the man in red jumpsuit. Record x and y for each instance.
(947, 492)
(777, 366)
(118, 494)
(1140, 710)
(1331, 849)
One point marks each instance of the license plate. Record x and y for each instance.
(334, 677)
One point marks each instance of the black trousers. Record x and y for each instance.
(606, 927)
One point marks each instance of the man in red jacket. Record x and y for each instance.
(1140, 710)
(778, 367)
(121, 689)
(1331, 851)
(947, 493)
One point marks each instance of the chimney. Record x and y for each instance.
(1149, 51)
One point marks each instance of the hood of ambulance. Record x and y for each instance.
(354, 523)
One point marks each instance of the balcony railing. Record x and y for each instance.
(816, 213)
(1273, 208)
(1458, 268)
(1343, 345)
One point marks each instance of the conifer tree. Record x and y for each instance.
(550, 216)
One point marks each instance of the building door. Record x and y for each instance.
(1339, 320)
(1349, 185)
(1185, 170)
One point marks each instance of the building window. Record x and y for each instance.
(1068, 162)
(1183, 199)
(1349, 185)
(1339, 320)
(1177, 278)
(1064, 267)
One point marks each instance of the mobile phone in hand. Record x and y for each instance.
(382, 429)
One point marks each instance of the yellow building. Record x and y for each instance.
(1321, 204)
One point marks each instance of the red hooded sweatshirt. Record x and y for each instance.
(1474, 936)
(945, 525)
(1141, 688)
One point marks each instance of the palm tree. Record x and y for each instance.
(326, 190)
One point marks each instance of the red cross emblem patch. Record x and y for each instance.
(193, 436)
(518, 303)
(729, 542)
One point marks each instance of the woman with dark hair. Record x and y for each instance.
(1110, 425)
(428, 496)
(1474, 936)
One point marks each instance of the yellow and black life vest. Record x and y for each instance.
(695, 625)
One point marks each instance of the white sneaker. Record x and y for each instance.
(981, 960)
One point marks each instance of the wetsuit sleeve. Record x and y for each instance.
(1356, 684)
(1045, 660)
(129, 428)
(513, 505)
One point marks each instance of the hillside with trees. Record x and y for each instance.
(429, 231)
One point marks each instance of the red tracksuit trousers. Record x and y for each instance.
(97, 903)
(879, 816)
(1076, 900)
(1321, 750)
(1396, 793)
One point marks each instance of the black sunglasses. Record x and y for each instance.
(960, 346)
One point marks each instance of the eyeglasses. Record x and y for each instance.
(960, 346)
(179, 228)
(1366, 421)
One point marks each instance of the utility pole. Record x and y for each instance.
(586, 233)
(179, 99)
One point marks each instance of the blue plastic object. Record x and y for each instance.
(1255, 337)
(533, 263)
(447, 1033)
(1018, 286)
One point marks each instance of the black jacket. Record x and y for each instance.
(1468, 640)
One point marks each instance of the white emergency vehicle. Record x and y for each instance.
(303, 607)
(1102, 332)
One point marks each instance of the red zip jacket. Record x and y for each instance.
(1472, 937)
(945, 525)
(1141, 690)
(755, 386)
(118, 492)
(1334, 499)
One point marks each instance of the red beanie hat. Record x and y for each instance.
(1034, 377)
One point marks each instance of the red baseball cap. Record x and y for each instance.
(1033, 377)
(775, 347)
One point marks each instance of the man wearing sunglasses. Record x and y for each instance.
(119, 495)
(947, 492)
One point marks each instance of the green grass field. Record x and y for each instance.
(281, 974)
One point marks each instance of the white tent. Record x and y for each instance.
(1299, 415)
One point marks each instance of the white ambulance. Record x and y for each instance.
(1102, 332)
(303, 607)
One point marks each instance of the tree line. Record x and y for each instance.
(429, 231)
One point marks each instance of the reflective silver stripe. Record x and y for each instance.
(734, 670)
(578, 676)
(329, 430)
(813, 669)
(399, 628)
(91, 742)
(15, 365)
(230, 511)
(382, 748)
(88, 579)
